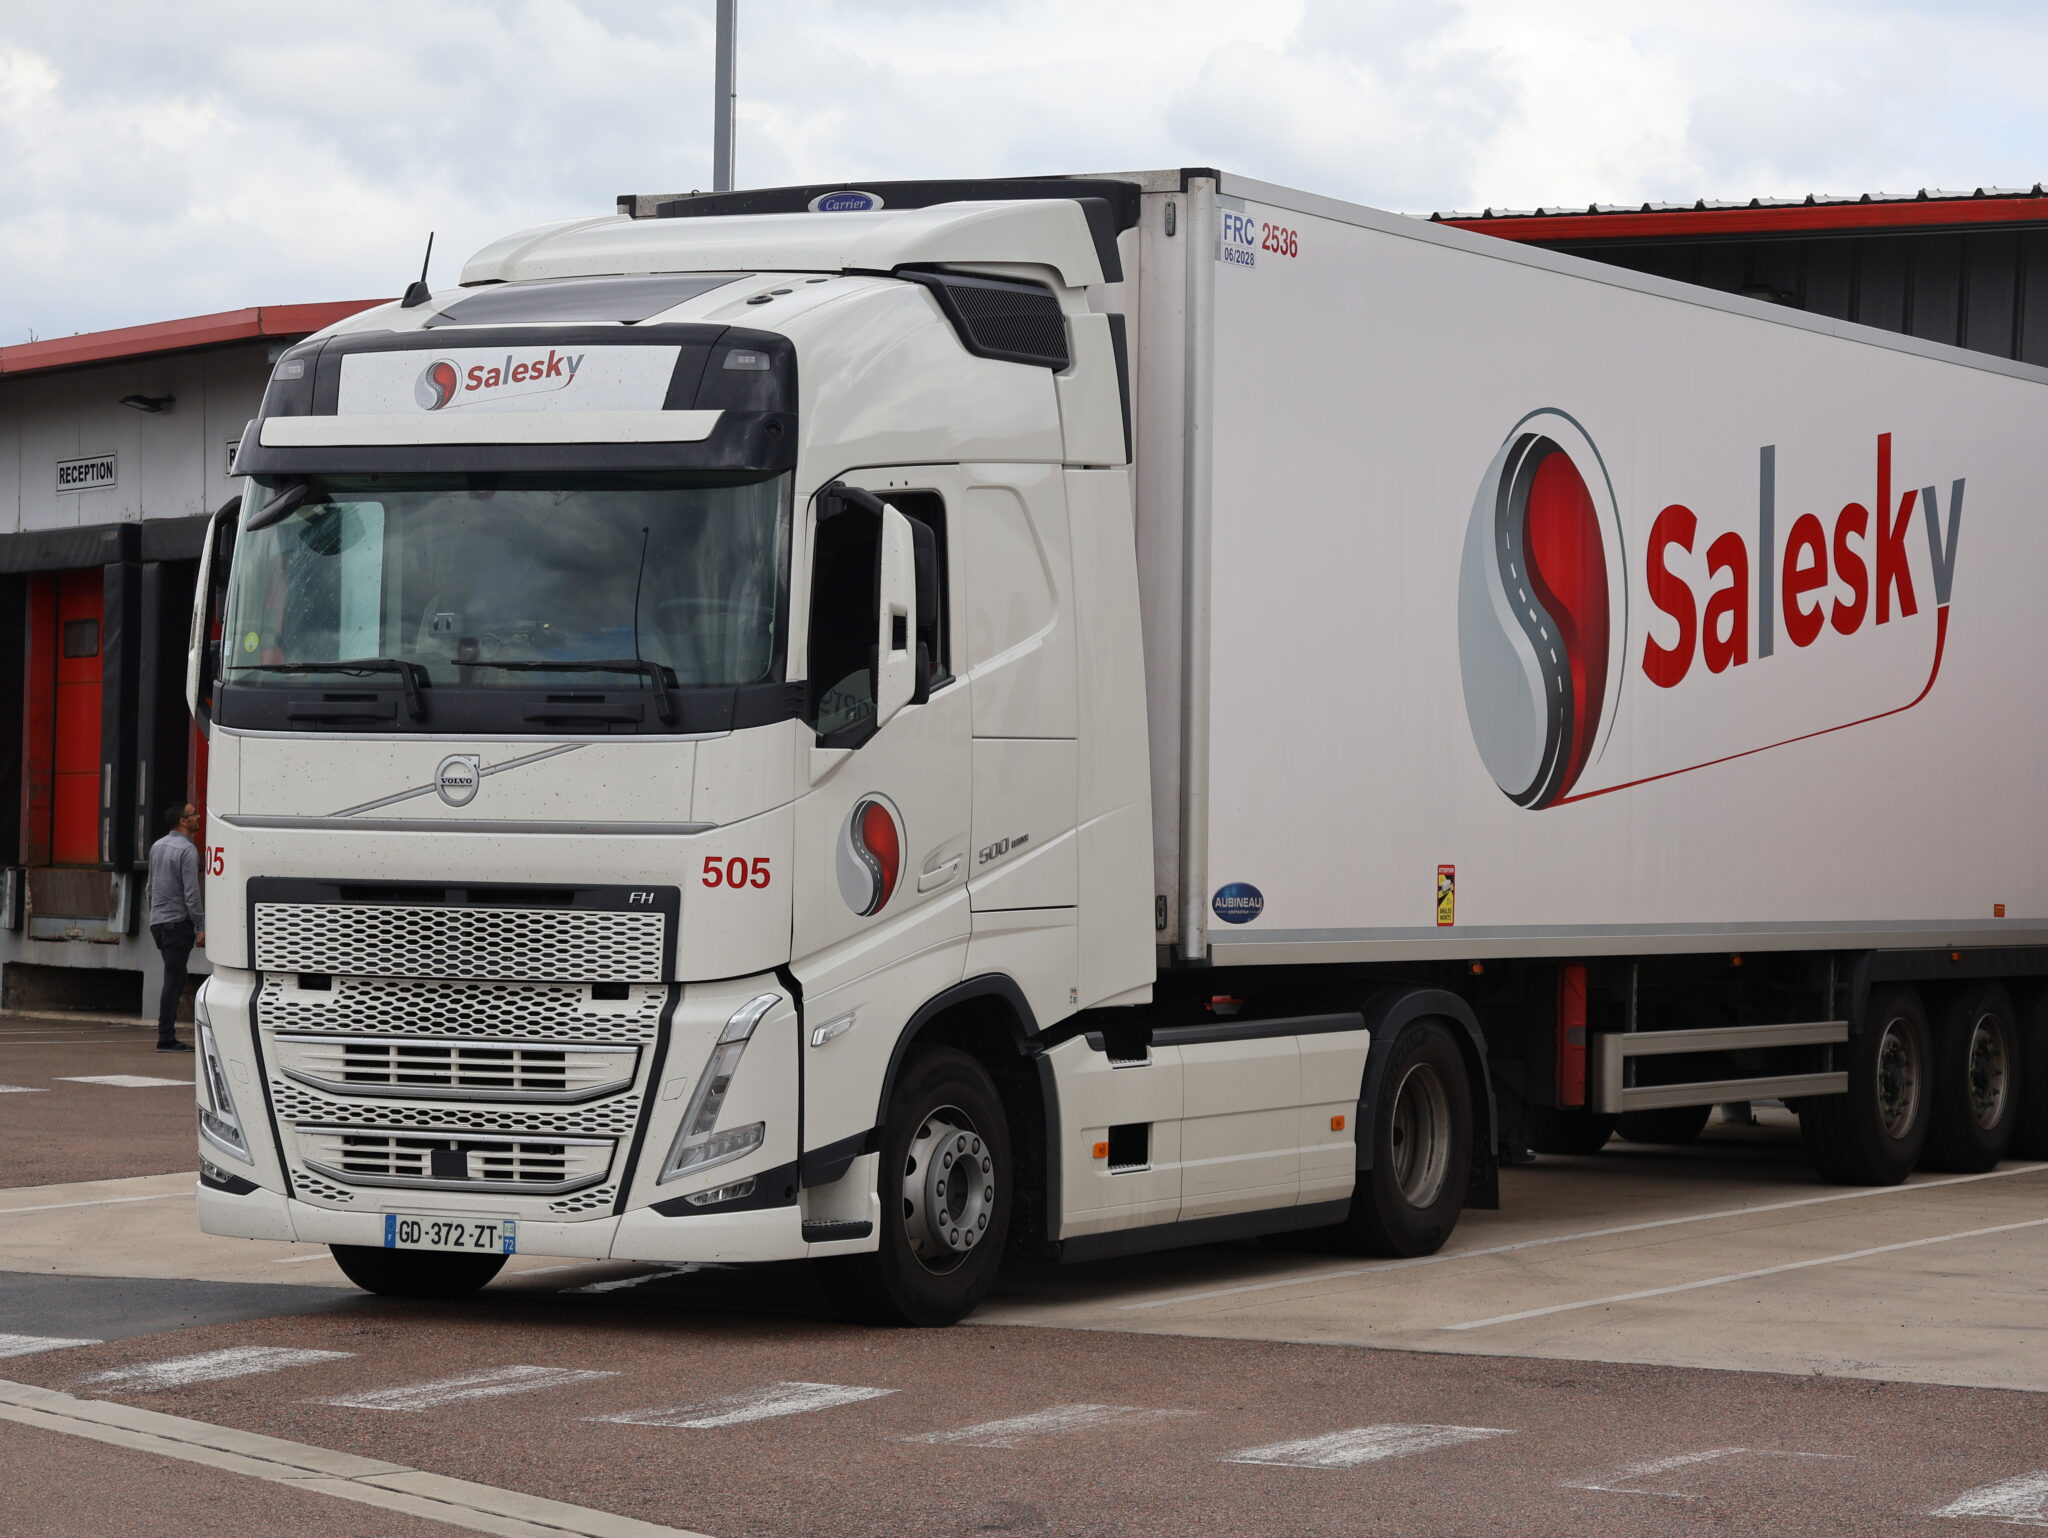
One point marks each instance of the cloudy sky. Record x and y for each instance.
(160, 160)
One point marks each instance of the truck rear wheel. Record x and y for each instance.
(945, 1177)
(1668, 1124)
(1873, 1135)
(1409, 1201)
(415, 1273)
(1976, 1080)
(1554, 1130)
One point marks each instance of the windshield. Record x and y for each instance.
(450, 574)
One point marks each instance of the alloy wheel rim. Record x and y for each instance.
(1898, 1080)
(1420, 1136)
(949, 1189)
(1986, 1071)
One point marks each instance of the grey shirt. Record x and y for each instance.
(174, 881)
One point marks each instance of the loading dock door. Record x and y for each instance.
(75, 783)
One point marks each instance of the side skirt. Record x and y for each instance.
(1230, 1225)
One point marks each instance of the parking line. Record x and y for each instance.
(487, 1383)
(124, 1080)
(21, 1089)
(29, 1345)
(101, 1201)
(212, 1366)
(1592, 1233)
(1047, 1422)
(322, 1470)
(769, 1403)
(2022, 1501)
(1364, 1444)
(1743, 1276)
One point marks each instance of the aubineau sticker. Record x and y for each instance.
(1564, 628)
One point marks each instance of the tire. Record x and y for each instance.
(944, 1117)
(1977, 1080)
(1874, 1134)
(1409, 1201)
(1555, 1131)
(415, 1273)
(1674, 1124)
(2030, 1127)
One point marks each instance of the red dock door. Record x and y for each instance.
(75, 791)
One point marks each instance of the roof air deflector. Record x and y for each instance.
(572, 301)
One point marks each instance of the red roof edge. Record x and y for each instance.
(271, 320)
(1797, 219)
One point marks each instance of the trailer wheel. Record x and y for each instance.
(2030, 1128)
(1873, 1135)
(1976, 1081)
(1677, 1124)
(1409, 1201)
(945, 1178)
(1554, 1130)
(415, 1273)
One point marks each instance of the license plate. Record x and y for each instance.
(475, 1236)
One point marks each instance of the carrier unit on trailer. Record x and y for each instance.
(893, 724)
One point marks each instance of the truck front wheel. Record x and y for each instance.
(945, 1178)
(1873, 1135)
(415, 1273)
(1409, 1201)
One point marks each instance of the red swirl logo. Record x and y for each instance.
(436, 385)
(870, 859)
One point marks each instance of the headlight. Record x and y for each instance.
(698, 1146)
(219, 1123)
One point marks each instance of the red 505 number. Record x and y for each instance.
(1279, 241)
(736, 872)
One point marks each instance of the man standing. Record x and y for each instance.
(177, 912)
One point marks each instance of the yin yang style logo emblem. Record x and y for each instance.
(870, 860)
(1542, 610)
(435, 387)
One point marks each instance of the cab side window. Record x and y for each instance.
(844, 620)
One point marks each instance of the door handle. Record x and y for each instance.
(932, 879)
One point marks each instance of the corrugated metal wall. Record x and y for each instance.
(1969, 288)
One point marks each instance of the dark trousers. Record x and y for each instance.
(174, 944)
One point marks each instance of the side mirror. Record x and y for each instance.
(896, 649)
(202, 649)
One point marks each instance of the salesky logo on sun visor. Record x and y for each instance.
(539, 378)
(1593, 661)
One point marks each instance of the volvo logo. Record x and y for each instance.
(457, 778)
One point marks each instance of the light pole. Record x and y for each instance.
(722, 101)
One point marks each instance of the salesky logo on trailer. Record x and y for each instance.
(1562, 626)
(443, 383)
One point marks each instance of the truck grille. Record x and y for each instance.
(485, 944)
(561, 1012)
(555, 1072)
(397, 1157)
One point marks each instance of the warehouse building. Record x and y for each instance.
(114, 448)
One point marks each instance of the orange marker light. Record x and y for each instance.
(1998, 910)
(1336, 1124)
(1102, 1150)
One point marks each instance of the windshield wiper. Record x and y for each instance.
(410, 675)
(658, 676)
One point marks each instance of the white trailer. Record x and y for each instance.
(891, 724)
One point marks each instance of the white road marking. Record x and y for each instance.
(633, 1281)
(759, 1404)
(486, 1383)
(123, 1080)
(212, 1366)
(1628, 1474)
(1744, 1276)
(1591, 1233)
(28, 1345)
(1050, 1421)
(320, 1470)
(20, 1089)
(101, 1201)
(2022, 1500)
(1364, 1444)
(300, 1260)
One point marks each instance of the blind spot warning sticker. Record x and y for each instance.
(1446, 896)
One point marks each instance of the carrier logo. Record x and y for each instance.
(436, 385)
(1538, 600)
(457, 779)
(870, 855)
(847, 201)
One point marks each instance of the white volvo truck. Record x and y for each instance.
(898, 724)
